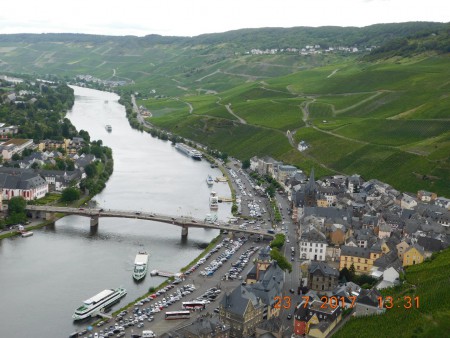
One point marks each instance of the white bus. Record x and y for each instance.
(177, 315)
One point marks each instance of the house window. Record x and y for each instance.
(365, 268)
(320, 250)
(310, 249)
(357, 267)
(359, 260)
(365, 261)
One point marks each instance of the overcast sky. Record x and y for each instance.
(194, 17)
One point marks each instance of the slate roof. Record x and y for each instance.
(355, 251)
(430, 244)
(368, 297)
(417, 247)
(264, 254)
(388, 260)
(205, 326)
(323, 268)
(238, 300)
(313, 235)
(331, 213)
(23, 181)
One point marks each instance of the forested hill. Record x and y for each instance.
(260, 38)
(327, 36)
(422, 41)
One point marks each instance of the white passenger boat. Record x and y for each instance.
(98, 302)
(140, 265)
(108, 128)
(209, 180)
(213, 200)
(185, 149)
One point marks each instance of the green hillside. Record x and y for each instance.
(427, 281)
(382, 114)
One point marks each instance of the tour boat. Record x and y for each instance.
(185, 149)
(140, 265)
(209, 180)
(213, 200)
(98, 302)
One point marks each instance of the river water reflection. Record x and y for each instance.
(45, 277)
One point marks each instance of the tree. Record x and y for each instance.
(270, 190)
(16, 205)
(246, 164)
(344, 275)
(16, 157)
(276, 255)
(70, 194)
(278, 241)
(16, 210)
(35, 165)
(91, 170)
(352, 271)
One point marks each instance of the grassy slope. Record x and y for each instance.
(388, 119)
(429, 282)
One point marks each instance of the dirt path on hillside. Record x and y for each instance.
(332, 73)
(241, 120)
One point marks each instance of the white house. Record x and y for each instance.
(408, 202)
(313, 245)
(390, 278)
(30, 186)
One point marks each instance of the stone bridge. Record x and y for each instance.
(48, 213)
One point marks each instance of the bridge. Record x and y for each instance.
(48, 213)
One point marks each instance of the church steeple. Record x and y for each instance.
(310, 191)
(311, 176)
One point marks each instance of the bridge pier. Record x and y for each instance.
(49, 216)
(34, 214)
(94, 221)
(184, 231)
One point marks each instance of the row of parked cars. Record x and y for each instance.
(233, 246)
(240, 264)
(166, 301)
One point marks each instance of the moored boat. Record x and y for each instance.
(98, 302)
(27, 233)
(209, 180)
(108, 128)
(213, 200)
(140, 265)
(185, 149)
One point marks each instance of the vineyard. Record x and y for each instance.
(429, 282)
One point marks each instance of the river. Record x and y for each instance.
(44, 278)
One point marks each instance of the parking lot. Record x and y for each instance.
(221, 270)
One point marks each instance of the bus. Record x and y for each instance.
(194, 305)
(177, 315)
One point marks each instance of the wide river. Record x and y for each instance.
(44, 278)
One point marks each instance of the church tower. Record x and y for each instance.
(311, 191)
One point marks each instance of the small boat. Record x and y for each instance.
(209, 180)
(213, 200)
(108, 128)
(27, 233)
(140, 265)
